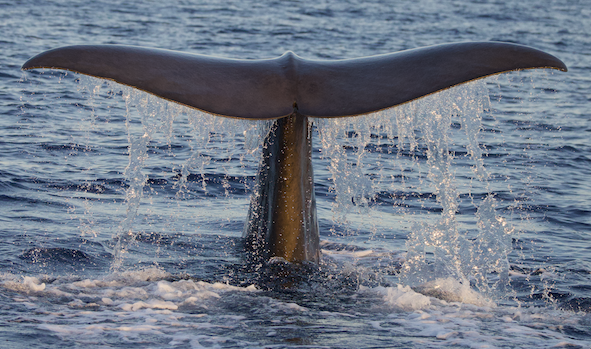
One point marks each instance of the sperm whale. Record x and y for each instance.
(282, 219)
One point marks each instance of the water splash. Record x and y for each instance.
(438, 170)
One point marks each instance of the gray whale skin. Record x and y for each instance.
(282, 219)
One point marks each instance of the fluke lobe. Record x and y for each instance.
(282, 216)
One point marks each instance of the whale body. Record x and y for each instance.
(282, 219)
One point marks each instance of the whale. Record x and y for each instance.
(282, 221)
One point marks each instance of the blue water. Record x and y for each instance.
(84, 262)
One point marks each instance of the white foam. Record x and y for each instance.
(463, 325)
(344, 254)
(151, 304)
(295, 306)
(33, 284)
(26, 284)
(400, 297)
(201, 314)
(451, 290)
(128, 305)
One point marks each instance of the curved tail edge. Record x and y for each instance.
(269, 88)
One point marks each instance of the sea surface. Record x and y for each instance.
(460, 220)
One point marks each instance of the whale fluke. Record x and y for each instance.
(282, 217)
(269, 88)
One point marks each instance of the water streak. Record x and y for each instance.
(152, 122)
(432, 138)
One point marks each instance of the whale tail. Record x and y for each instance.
(282, 217)
(269, 88)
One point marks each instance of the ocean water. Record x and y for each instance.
(458, 220)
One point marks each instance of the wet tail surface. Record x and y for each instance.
(282, 218)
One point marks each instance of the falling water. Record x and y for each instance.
(428, 154)
(434, 143)
(181, 281)
(152, 123)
